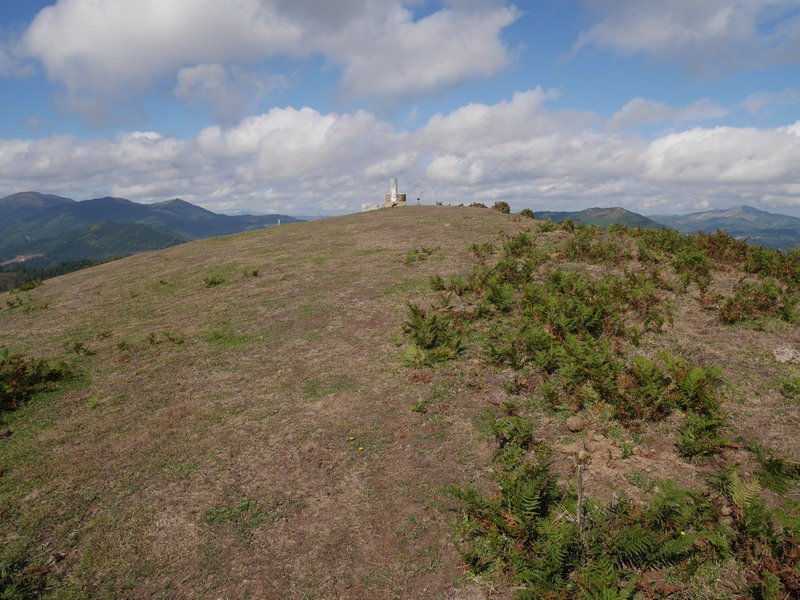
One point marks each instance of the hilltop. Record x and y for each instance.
(263, 415)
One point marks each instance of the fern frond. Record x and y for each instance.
(633, 546)
(672, 551)
(743, 492)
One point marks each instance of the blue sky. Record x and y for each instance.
(305, 106)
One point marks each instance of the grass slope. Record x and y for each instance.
(246, 425)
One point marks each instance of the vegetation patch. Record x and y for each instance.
(419, 254)
(26, 303)
(242, 517)
(553, 543)
(223, 338)
(21, 377)
(433, 337)
(590, 244)
(754, 302)
(22, 574)
(790, 388)
(568, 335)
(213, 280)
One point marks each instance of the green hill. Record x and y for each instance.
(262, 415)
(30, 220)
(98, 242)
(600, 216)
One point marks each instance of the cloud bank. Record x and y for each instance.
(117, 49)
(519, 150)
(709, 36)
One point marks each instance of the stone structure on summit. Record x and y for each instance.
(393, 198)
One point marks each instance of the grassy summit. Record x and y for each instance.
(263, 415)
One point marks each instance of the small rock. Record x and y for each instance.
(786, 355)
(725, 511)
(575, 423)
(5, 433)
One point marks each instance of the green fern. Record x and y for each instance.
(743, 492)
(598, 577)
(632, 546)
(698, 436)
(672, 551)
(776, 473)
(529, 500)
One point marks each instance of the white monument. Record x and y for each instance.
(393, 198)
(389, 200)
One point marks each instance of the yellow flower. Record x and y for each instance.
(350, 438)
(360, 448)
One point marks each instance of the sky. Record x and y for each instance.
(309, 107)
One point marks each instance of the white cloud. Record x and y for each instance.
(401, 57)
(114, 49)
(726, 155)
(758, 104)
(641, 111)
(12, 64)
(303, 161)
(710, 36)
(226, 91)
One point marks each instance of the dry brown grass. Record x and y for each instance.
(279, 381)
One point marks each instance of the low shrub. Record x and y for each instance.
(694, 267)
(213, 280)
(482, 251)
(547, 226)
(433, 336)
(723, 247)
(584, 245)
(777, 473)
(502, 207)
(21, 377)
(436, 283)
(527, 212)
(699, 435)
(418, 254)
(30, 285)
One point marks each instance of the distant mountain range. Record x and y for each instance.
(42, 229)
(743, 222)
